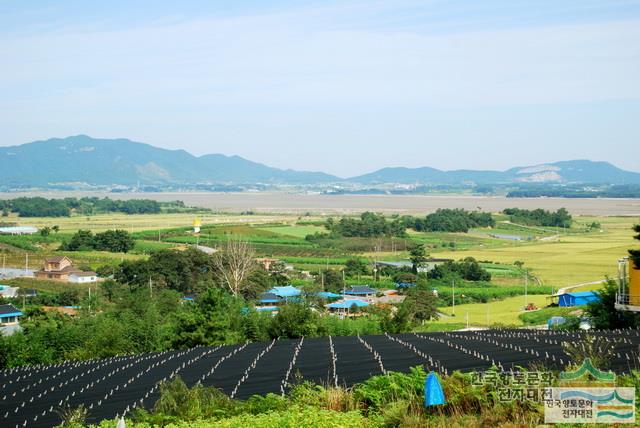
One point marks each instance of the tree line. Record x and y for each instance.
(115, 241)
(42, 207)
(539, 217)
(450, 220)
(377, 225)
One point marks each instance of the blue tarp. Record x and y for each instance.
(286, 291)
(405, 285)
(578, 298)
(347, 304)
(267, 309)
(433, 394)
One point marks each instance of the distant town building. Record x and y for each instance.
(18, 230)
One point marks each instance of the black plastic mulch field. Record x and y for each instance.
(109, 387)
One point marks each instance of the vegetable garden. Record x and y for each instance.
(33, 396)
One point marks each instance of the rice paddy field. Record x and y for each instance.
(566, 258)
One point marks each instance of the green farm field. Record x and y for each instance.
(140, 222)
(504, 312)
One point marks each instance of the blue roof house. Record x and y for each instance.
(9, 319)
(328, 295)
(348, 304)
(9, 314)
(578, 298)
(360, 290)
(404, 285)
(286, 291)
(269, 298)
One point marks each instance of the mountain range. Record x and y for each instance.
(82, 159)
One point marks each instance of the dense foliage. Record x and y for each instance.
(368, 225)
(539, 217)
(42, 207)
(115, 241)
(467, 268)
(449, 220)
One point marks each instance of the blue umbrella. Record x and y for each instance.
(433, 394)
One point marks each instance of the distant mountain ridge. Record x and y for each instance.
(120, 161)
(82, 159)
(574, 171)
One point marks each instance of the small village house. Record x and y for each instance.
(9, 319)
(60, 268)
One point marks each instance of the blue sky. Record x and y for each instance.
(345, 87)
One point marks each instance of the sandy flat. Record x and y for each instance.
(282, 202)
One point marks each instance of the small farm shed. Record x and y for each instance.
(578, 298)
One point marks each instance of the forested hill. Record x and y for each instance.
(82, 159)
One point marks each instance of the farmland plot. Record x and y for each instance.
(31, 396)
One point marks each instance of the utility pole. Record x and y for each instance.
(26, 263)
(344, 284)
(453, 297)
(488, 305)
(526, 284)
(467, 319)
(150, 288)
(89, 299)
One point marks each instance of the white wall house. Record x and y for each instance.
(83, 277)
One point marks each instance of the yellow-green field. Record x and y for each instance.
(503, 312)
(139, 222)
(568, 259)
(297, 231)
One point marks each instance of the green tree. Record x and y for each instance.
(45, 231)
(82, 240)
(331, 279)
(293, 320)
(354, 267)
(417, 255)
(603, 312)
(115, 241)
(423, 303)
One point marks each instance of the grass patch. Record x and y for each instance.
(542, 316)
(504, 312)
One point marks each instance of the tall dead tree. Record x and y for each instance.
(234, 264)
